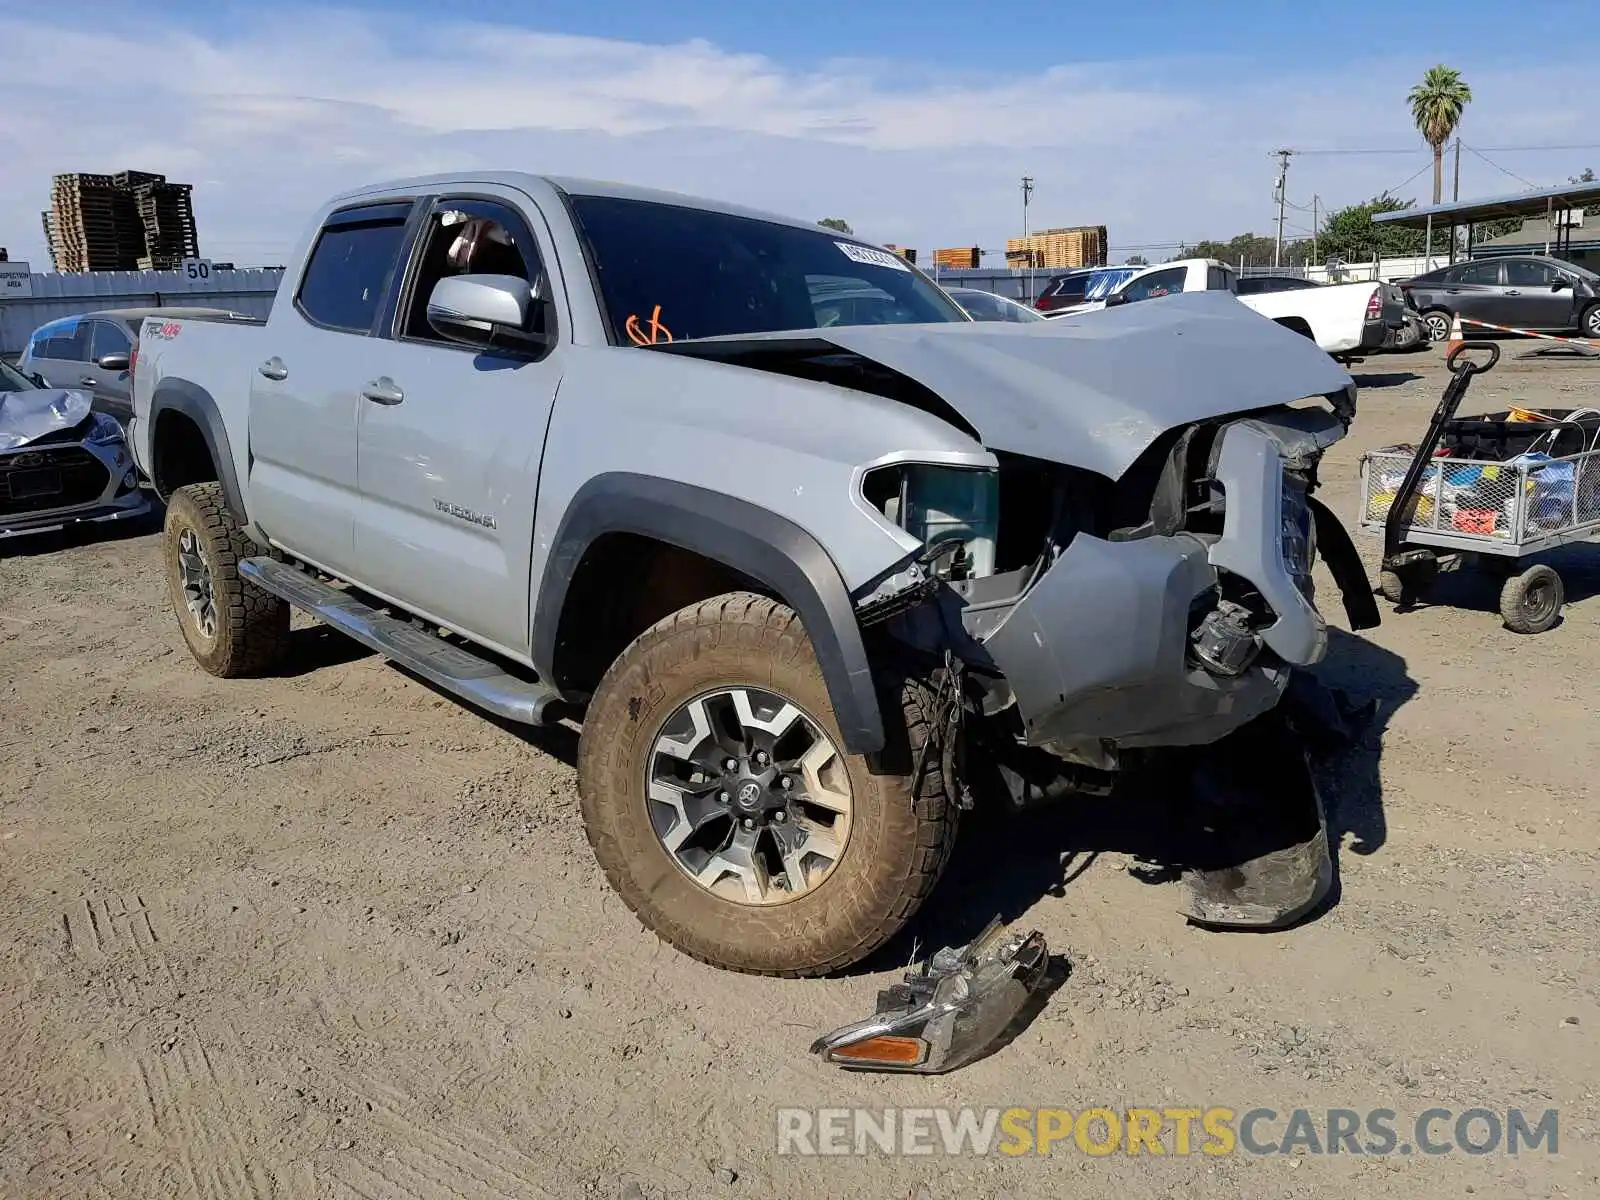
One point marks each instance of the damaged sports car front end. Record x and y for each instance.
(61, 463)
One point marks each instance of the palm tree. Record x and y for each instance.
(1436, 106)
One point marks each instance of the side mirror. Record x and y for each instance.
(1559, 284)
(487, 310)
(39, 379)
(1116, 298)
(112, 362)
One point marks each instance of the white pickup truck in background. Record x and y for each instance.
(1347, 320)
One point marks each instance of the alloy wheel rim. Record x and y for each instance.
(748, 796)
(1438, 327)
(194, 574)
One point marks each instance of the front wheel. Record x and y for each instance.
(1437, 323)
(1591, 322)
(724, 810)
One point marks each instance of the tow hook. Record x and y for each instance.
(950, 1011)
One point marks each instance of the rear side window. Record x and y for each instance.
(64, 344)
(349, 271)
(1478, 272)
(1070, 286)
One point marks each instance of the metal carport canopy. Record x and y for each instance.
(1523, 204)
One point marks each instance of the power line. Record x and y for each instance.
(1366, 150)
(1422, 170)
(1502, 170)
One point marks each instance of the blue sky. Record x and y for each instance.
(950, 34)
(1156, 120)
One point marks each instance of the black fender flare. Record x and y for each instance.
(752, 540)
(194, 402)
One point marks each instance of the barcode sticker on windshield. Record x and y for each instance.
(872, 258)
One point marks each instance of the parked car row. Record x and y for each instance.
(1533, 292)
(94, 350)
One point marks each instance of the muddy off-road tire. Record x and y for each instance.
(710, 747)
(231, 626)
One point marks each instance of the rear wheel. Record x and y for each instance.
(231, 626)
(1591, 321)
(724, 810)
(1531, 602)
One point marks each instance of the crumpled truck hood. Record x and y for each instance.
(28, 416)
(1091, 391)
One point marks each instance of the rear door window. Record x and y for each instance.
(1480, 273)
(351, 268)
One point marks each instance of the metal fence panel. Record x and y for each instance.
(248, 291)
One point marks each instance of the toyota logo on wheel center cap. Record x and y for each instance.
(749, 794)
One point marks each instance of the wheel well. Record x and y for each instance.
(180, 453)
(1298, 325)
(624, 584)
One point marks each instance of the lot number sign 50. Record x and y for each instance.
(197, 268)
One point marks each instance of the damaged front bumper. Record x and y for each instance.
(48, 485)
(1132, 642)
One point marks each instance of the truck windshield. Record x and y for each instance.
(668, 273)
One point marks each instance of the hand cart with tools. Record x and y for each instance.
(1493, 489)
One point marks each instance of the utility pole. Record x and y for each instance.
(1455, 195)
(1027, 191)
(1283, 195)
(1314, 225)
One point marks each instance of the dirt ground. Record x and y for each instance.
(329, 934)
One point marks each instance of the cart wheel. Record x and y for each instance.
(1399, 590)
(1531, 602)
(1404, 585)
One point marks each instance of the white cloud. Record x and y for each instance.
(273, 113)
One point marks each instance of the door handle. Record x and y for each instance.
(383, 390)
(1511, 292)
(89, 381)
(273, 368)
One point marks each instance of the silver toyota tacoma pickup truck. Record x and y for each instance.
(816, 560)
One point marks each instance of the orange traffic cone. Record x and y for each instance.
(1457, 338)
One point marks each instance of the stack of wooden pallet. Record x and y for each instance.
(1079, 246)
(956, 257)
(130, 221)
(94, 223)
(167, 214)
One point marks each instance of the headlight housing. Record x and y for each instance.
(953, 511)
(104, 430)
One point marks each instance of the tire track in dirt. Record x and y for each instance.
(432, 1157)
(115, 938)
(176, 1091)
(187, 1102)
